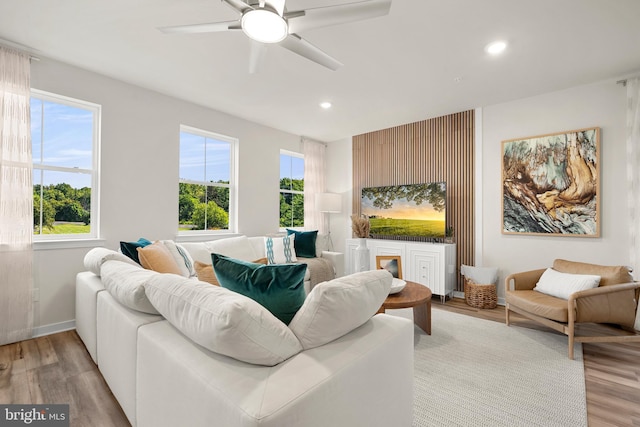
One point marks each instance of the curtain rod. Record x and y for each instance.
(19, 47)
(622, 82)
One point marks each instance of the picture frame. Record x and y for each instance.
(551, 184)
(391, 263)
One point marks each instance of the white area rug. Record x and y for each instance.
(475, 372)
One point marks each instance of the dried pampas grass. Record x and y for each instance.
(360, 226)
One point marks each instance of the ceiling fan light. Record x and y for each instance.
(264, 26)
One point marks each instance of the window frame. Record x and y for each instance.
(96, 111)
(232, 186)
(280, 190)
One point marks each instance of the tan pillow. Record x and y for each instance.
(157, 257)
(610, 274)
(205, 272)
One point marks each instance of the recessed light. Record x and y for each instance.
(326, 105)
(496, 48)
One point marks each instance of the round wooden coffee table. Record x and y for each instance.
(413, 295)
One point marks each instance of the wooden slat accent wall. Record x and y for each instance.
(439, 149)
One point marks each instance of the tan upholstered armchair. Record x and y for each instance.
(614, 301)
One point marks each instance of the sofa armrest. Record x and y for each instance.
(615, 304)
(337, 259)
(524, 281)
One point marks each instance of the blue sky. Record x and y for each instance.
(194, 149)
(67, 136)
(291, 167)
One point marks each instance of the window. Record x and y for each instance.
(206, 198)
(291, 189)
(65, 137)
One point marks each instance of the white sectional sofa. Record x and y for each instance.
(252, 248)
(161, 377)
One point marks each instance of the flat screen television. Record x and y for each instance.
(411, 211)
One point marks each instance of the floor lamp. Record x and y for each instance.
(329, 203)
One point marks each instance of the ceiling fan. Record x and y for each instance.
(269, 22)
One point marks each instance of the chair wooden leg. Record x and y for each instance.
(506, 314)
(571, 339)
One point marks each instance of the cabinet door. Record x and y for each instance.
(387, 248)
(352, 244)
(425, 269)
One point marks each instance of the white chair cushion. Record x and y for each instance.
(333, 309)
(94, 259)
(125, 282)
(561, 285)
(222, 321)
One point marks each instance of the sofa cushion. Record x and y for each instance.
(609, 274)
(157, 257)
(279, 288)
(234, 247)
(222, 321)
(130, 249)
(280, 250)
(125, 282)
(304, 243)
(333, 309)
(94, 259)
(561, 285)
(540, 304)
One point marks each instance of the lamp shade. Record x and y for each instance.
(329, 202)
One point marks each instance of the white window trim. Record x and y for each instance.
(280, 190)
(85, 239)
(232, 186)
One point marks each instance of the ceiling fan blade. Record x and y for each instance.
(296, 44)
(211, 27)
(334, 15)
(258, 52)
(238, 5)
(278, 5)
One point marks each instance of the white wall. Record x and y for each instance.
(601, 105)
(338, 180)
(139, 172)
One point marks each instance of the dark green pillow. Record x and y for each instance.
(304, 243)
(130, 249)
(277, 287)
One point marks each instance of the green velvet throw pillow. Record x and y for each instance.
(304, 243)
(130, 249)
(277, 287)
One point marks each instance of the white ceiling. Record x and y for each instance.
(397, 69)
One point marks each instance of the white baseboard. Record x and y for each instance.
(54, 328)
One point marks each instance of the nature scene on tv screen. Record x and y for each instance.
(412, 210)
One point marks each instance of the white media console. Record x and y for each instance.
(430, 264)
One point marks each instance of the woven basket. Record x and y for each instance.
(480, 296)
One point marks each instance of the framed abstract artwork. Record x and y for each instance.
(391, 263)
(551, 184)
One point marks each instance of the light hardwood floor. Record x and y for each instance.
(58, 369)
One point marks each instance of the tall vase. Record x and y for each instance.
(361, 257)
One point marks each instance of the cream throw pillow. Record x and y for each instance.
(335, 308)
(222, 321)
(280, 250)
(561, 285)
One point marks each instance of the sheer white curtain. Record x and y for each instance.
(633, 176)
(16, 198)
(314, 154)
